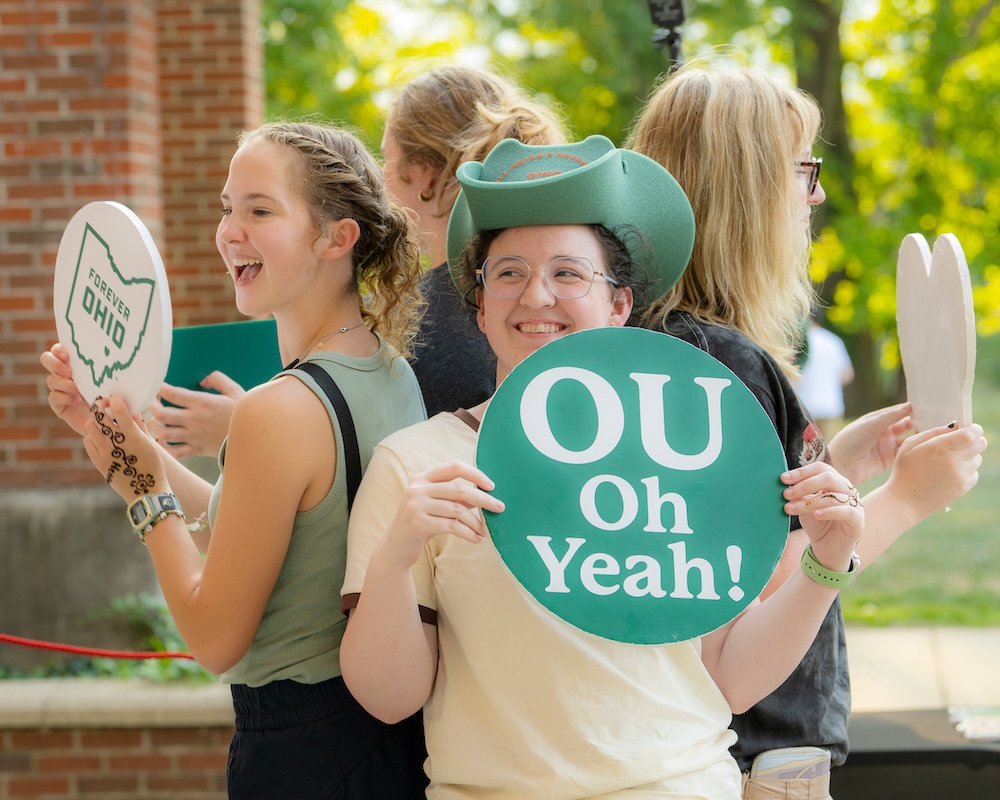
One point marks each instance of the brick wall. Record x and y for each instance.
(137, 763)
(211, 78)
(100, 739)
(137, 101)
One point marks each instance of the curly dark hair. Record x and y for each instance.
(618, 261)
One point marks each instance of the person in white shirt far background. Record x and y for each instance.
(827, 370)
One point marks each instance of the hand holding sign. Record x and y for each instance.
(122, 451)
(210, 367)
(937, 332)
(112, 305)
(641, 483)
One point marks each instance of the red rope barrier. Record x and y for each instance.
(87, 651)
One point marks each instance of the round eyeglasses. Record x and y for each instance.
(811, 168)
(566, 277)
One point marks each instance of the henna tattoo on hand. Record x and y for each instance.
(141, 483)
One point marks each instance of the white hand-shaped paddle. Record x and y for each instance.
(937, 332)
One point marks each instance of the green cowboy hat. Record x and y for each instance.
(588, 182)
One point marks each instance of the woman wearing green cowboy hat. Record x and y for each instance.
(549, 241)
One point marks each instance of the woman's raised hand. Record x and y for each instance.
(829, 508)
(195, 422)
(123, 451)
(65, 399)
(444, 500)
(935, 467)
(867, 446)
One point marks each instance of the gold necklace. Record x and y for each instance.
(331, 334)
(323, 339)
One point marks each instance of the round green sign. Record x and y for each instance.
(641, 484)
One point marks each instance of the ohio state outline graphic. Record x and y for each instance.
(103, 301)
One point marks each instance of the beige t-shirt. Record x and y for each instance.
(524, 704)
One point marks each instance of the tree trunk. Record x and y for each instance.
(815, 30)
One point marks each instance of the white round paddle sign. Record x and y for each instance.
(112, 305)
(641, 485)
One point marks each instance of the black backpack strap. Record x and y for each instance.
(352, 453)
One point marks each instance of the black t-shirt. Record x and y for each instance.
(813, 706)
(452, 359)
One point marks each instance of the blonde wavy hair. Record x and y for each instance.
(340, 179)
(455, 113)
(731, 135)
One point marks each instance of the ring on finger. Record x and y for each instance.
(853, 499)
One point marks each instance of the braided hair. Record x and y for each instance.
(340, 179)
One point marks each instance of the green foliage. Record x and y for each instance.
(910, 90)
(593, 57)
(153, 628)
(343, 59)
(322, 58)
(925, 100)
(974, 609)
(943, 571)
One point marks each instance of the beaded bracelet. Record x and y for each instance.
(158, 518)
(198, 524)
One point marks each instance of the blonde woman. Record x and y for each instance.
(739, 141)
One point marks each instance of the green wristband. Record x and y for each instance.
(829, 577)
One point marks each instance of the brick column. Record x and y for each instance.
(211, 78)
(79, 121)
(137, 101)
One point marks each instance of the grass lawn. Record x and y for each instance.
(946, 570)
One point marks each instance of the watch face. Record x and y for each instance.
(138, 512)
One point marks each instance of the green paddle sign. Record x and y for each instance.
(641, 484)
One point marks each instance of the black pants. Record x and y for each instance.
(296, 741)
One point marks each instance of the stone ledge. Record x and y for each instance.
(108, 703)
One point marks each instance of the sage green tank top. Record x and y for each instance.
(302, 627)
